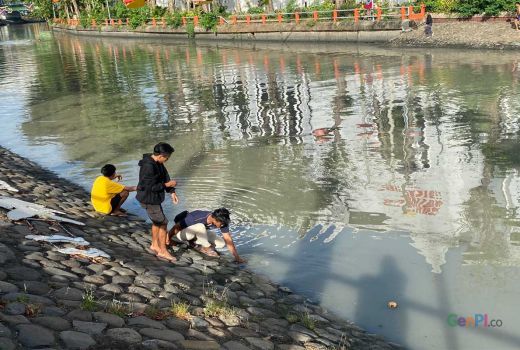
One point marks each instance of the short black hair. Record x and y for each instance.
(163, 149)
(221, 215)
(108, 170)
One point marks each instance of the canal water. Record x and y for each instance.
(355, 175)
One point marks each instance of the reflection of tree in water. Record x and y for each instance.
(127, 96)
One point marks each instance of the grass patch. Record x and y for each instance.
(32, 310)
(24, 299)
(292, 318)
(307, 321)
(181, 310)
(155, 313)
(215, 308)
(118, 308)
(88, 301)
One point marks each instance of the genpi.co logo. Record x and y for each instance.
(478, 320)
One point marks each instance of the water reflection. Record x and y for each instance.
(326, 158)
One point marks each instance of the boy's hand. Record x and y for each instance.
(119, 177)
(171, 183)
(240, 260)
(175, 199)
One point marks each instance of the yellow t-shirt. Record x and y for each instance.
(103, 190)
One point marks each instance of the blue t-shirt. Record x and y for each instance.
(200, 217)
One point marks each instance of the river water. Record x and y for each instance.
(355, 175)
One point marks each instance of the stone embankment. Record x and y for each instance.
(474, 35)
(133, 300)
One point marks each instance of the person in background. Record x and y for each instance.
(517, 17)
(106, 195)
(192, 228)
(154, 182)
(428, 29)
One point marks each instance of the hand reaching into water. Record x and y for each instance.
(175, 199)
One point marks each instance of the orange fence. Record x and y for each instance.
(334, 16)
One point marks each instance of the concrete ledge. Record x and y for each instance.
(295, 34)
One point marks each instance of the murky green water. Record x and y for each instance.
(355, 175)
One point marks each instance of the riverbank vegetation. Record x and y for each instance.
(99, 10)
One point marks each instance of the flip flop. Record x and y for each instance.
(122, 215)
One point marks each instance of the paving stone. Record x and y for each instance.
(112, 288)
(229, 320)
(242, 332)
(97, 268)
(289, 347)
(31, 298)
(235, 345)
(33, 336)
(7, 344)
(162, 334)
(6, 287)
(299, 337)
(54, 272)
(95, 279)
(92, 328)
(4, 331)
(259, 343)
(110, 319)
(199, 345)
(53, 311)
(146, 322)
(156, 344)
(69, 294)
(193, 333)
(198, 323)
(126, 335)
(77, 340)
(80, 315)
(147, 279)
(34, 287)
(177, 324)
(123, 280)
(15, 309)
(21, 273)
(53, 322)
(13, 319)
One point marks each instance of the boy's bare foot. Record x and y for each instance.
(209, 251)
(154, 249)
(167, 257)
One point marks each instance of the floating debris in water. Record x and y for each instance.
(392, 304)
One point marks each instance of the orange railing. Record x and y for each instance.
(334, 16)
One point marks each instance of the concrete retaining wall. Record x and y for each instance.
(353, 33)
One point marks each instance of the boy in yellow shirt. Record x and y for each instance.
(107, 196)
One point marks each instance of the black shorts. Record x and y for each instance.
(114, 202)
(155, 213)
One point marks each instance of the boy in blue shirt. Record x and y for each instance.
(192, 227)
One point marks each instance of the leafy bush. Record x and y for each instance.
(209, 20)
(174, 19)
(256, 10)
(190, 29)
(85, 21)
(120, 11)
(138, 17)
(325, 8)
